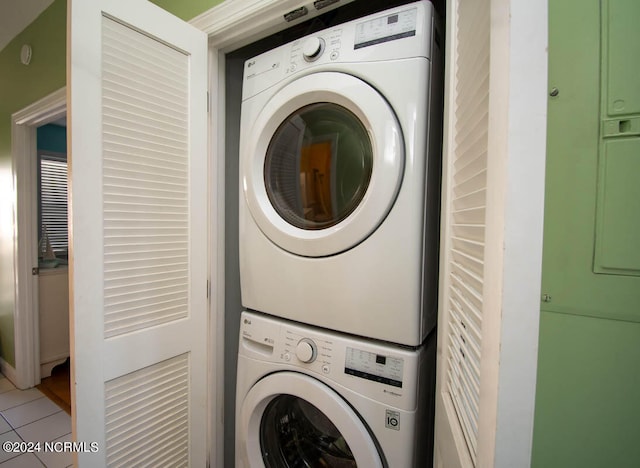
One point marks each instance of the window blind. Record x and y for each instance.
(53, 201)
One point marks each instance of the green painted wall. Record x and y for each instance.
(587, 405)
(20, 86)
(587, 409)
(186, 9)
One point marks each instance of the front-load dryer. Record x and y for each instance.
(307, 397)
(339, 177)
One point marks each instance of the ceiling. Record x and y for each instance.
(15, 15)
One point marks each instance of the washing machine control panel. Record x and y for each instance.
(384, 372)
(313, 352)
(373, 366)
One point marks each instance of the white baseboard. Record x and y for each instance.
(8, 371)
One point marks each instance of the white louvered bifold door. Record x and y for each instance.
(463, 233)
(138, 240)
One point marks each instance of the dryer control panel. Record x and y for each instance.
(399, 33)
(384, 372)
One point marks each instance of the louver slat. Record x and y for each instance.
(466, 232)
(145, 181)
(147, 415)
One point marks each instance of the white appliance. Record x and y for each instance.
(339, 177)
(307, 397)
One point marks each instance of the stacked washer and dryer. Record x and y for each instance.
(339, 209)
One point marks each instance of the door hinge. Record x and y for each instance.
(208, 289)
(208, 103)
(35, 271)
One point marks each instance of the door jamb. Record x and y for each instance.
(229, 26)
(24, 123)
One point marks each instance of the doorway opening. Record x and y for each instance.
(25, 123)
(53, 254)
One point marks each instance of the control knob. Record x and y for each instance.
(306, 350)
(312, 48)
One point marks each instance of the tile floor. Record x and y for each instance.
(29, 416)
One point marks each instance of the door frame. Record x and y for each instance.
(24, 124)
(230, 26)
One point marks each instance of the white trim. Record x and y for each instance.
(497, 150)
(233, 24)
(24, 148)
(523, 231)
(217, 254)
(8, 371)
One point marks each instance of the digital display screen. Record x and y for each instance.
(374, 367)
(386, 28)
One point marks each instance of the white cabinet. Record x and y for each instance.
(53, 299)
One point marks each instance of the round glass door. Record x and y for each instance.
(321, 163)
(318, 166)
(294, 433)
(288, 420)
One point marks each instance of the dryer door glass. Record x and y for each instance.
(293, 433)
(318, 166)
(321, 163)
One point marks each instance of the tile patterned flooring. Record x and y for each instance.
(29, 416)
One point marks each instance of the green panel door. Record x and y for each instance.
(591, 258)
(618, 207)
(618, 219)
(621, 56)
(587, 397)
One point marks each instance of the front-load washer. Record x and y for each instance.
(340, 177)
(310, 397)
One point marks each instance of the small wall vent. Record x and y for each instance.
(320, 4)
(295, 14)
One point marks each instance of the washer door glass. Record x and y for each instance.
(293, 432)
(288, 419)
(318, 166)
